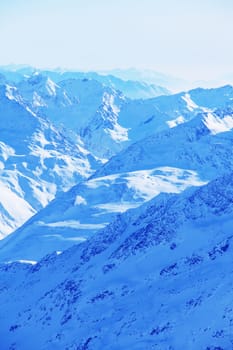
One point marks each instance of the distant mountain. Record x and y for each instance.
(130, 88)
(133, 89)
(15, 73)
(159, 277)
(151, 77)
(172, 83)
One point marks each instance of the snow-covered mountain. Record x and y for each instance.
(104, 118)
(158, 277)
(190, 154)
(139, 250)
(37, 160)
(107, 123)
(83, 107)
(131, 88)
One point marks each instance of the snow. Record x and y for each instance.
(19, 212)
(10, 90)
(218, 125)
(6, 151)
(118, 134)
(51, 87)
(191, 105)
(80, 200)
(115, 207)
(74, 224)
(58, 237)
(175, 122)
(31, 262)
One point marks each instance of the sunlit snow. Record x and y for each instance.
(217, 125)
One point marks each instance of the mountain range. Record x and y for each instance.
(116, 213)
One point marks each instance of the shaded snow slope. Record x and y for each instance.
(158, 277)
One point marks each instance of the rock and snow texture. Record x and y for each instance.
(158, 277)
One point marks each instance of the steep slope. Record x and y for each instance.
(159, 277)
(36, 161)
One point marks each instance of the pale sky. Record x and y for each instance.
(187, 38)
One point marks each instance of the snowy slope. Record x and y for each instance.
(159, 277)
(79, 213)
(36, 161)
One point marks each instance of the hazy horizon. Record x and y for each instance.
(185, 39)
